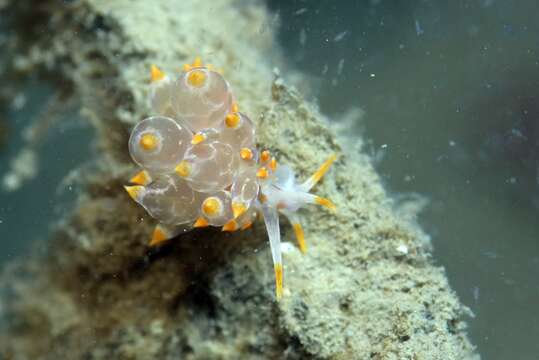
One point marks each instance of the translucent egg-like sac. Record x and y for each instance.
(160, 96)
(202, 98)
(238, 131)
(244, 190)
(158, 143)
(170, 200)
(209, 166)
(248, 158)
(216, 208)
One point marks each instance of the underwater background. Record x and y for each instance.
(447, 96)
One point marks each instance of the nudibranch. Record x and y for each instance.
(201, 167)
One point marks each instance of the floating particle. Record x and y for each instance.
(302, 37)
(475, 292)
(325, 69)
(340, 36)
(418, 30)
(340, 67)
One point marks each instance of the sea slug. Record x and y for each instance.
(201, 167)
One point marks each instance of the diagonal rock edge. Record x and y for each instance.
(99, 292)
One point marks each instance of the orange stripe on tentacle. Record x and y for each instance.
(300, 237)
(322, 170)
(325, 203)
(278, 281)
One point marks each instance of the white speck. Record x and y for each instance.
(11, 182)
(340, 36)
(18, 102)
(340, 67)
(403, 249)
(325, 69)
(1, 221)
(512, 180)
(408, 178)
(384, 146)
(300, 11)
(302, 37)
(452, 143)
(475, 292)
(373, 75)
(490, 254)
(418, 29)
(287, 247)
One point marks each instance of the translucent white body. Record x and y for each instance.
(245, 187)
(212, 166)
(170, 143)
(203, 106)
(240, 136)
(170, 200)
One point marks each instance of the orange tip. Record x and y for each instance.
(232, 225)
(300, 236)
(141, 178)
(315, 178)
(197, 62)
(156, 74)
(246, 154)
(265, 156)
(196, 78)
(183, 169)
(273, 164)
(149, 141)
(198, 138)
(201, 222)
(235, 108)
(262, 173)
(232, 120)
(134, 191)
(212, 206)
(159, 235)
(325, 203)
(278, 281)
(247, 225)
(238, 209)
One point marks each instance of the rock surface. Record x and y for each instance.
(366, 289)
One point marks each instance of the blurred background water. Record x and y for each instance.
(37, 156)
(449, 91)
